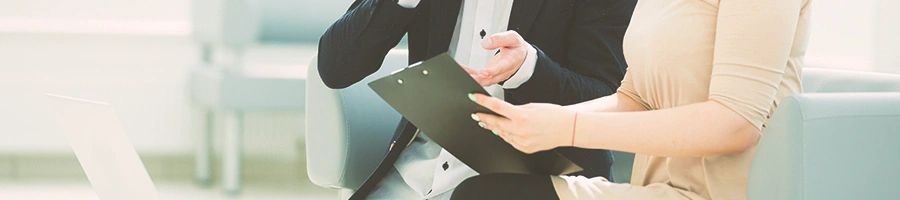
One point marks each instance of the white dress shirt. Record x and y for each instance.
(424, 170)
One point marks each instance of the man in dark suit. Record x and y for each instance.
(556, 51)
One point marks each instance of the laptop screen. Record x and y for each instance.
(104, 151)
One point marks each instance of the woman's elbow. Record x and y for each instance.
(737, 133)
(742, 140)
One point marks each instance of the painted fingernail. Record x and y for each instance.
(475, 117)
(482, 125)
(472, 96)
(495, 133)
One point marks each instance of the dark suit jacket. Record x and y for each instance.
(578, 42)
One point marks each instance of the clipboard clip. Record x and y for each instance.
(410, 66)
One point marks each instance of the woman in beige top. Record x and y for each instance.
(703, 78)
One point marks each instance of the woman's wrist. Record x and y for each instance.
(574, 107)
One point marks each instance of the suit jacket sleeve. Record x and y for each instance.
(356, 44)
(596, 64)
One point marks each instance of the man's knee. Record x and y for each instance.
(474, 182)
(474, 187)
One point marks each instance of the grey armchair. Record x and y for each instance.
(838, 140)
(348, 131)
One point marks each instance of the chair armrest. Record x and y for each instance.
(829, 146)
(348, 131)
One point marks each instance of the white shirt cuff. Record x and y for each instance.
(525, 71)
(408, 3)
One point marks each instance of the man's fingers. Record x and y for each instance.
(488, 81)
(483, 81)
(490, 68)
(505, 62)
(508, 39)
(501, 66)
(469, 70)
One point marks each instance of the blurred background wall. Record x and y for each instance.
(136, 55)
(856, 35)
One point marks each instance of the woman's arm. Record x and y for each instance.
(707, 128)
(613, 103)
(701, 129)
(624, 100)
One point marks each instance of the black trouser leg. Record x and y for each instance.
(506, 186)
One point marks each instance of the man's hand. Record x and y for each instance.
(513, 50)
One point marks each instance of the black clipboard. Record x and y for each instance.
(433, 95)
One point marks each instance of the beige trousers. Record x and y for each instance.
(581, 188)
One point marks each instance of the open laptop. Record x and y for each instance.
(104, 151)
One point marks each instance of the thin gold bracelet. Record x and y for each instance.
(573, 127)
